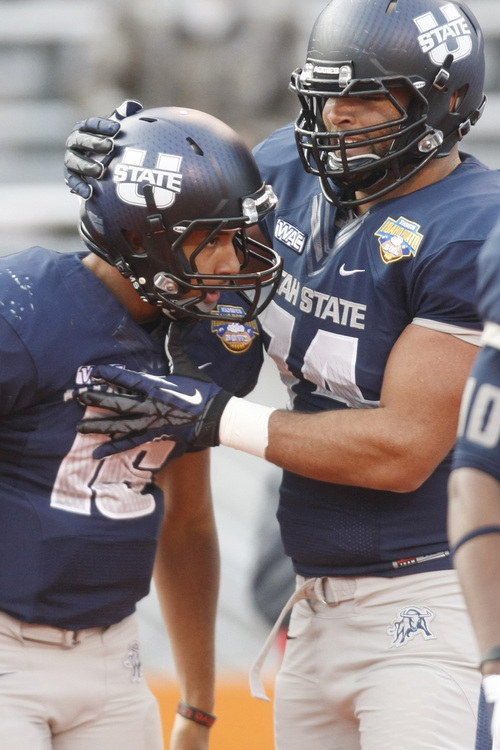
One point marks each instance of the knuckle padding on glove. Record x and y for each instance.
(99, 144)
(82, 165)
(120, 402)
(101, 126)
(131, 415)
(77, 185)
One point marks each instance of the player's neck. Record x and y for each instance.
(122, 288)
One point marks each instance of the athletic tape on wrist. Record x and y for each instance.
(245, 426)
(491, 687)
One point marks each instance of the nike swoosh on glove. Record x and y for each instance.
(89, 143)
(185, 407)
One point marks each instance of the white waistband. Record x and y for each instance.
(48, 634)
(31, 631)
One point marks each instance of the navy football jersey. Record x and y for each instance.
(77, 535)
(478, 444)
(350, 287)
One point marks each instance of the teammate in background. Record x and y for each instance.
(474, 487)
(78, 537)
(374, 330)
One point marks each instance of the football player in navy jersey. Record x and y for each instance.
(474, 487)
(166, 230)
(374, 329)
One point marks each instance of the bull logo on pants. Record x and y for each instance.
(412, 621)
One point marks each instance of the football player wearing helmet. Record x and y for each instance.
(374, 329)
(79, 537)
(179, 184)
(423, 60)
(474, 487)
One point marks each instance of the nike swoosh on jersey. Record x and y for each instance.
(195, 399)
(344, 272)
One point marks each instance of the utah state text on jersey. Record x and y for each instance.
(341, 311)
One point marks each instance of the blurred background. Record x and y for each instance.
(64, 60)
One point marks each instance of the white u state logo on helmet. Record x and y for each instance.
(452, 38)
(130, 174)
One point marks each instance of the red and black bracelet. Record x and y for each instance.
(195, 714)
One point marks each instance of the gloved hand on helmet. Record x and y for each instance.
(89, 143)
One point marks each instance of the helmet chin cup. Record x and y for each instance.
(356, 172)
(357, 163)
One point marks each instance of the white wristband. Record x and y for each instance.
(491, 686)
(245, 426)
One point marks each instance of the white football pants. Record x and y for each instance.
(56, 694)
(392, 665)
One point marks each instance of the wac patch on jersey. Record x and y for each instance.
(290, 236)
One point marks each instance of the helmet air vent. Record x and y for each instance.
(196, 148)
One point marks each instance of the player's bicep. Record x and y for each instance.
(423, 383)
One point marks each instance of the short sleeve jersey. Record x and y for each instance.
(350, 287)
(78, 535)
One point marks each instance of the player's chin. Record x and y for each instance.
(209, 301)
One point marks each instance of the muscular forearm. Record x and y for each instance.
(394, 446)
(375, 448)
(353, 447)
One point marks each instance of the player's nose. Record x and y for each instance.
(226, 259)
(339, 112)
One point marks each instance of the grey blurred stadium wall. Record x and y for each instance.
(62, 60)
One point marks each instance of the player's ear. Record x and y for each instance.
(134, 241)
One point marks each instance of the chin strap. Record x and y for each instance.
(465, 126)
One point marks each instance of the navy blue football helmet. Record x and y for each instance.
(432, 49)
(174, 171)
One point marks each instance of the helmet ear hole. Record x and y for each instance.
(135, 243)
(457, 98)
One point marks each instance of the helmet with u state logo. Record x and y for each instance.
(431, 49)
(172, 172)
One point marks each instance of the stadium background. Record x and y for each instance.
(63, 60)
